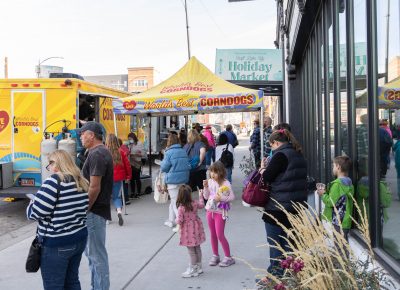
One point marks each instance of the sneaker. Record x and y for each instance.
(175, 229)
(226, 262)
(190, 272)
(214, 261)
(120, 219)
(127, 202)
(169, 224)
(199, 268)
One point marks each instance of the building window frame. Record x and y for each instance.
(328, 150)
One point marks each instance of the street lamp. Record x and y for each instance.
(40, 62)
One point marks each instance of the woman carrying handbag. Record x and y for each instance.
(60, 207)
(175, 165)
(286, 175)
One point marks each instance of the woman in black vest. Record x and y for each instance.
(286, 173)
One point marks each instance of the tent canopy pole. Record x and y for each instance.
(262, 131)
(150, 162)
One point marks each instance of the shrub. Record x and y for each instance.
(322, 259)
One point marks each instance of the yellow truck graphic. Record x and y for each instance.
(33, 108)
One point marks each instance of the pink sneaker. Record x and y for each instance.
(214, 261)
(227, 261)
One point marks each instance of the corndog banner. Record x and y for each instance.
(194, 88)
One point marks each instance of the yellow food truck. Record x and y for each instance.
(36, 111)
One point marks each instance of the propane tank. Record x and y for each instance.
(68, 145)
(46, 147)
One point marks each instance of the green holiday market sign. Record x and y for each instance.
(249, 64)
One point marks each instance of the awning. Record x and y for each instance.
(388, 96)
(193, 89)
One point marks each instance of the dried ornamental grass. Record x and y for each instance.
(322, 259)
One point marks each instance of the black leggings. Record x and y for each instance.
(136, 180)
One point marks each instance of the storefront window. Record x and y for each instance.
(389, 120)
(342, 81)
(360, 71)
(330, 82)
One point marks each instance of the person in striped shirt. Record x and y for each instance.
(60, 207)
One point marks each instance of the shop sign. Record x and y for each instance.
(360, 59)
(249, 64)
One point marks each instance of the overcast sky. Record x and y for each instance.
(107, 36)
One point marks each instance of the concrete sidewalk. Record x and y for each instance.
(144, 254)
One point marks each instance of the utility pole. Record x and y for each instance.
(187, 30)
(188, 47)
(6, 67)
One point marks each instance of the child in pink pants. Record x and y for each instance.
(219, 193)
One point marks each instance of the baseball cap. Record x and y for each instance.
(91, 126)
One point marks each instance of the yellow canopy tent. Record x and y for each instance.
(193, 89)
(388, 96)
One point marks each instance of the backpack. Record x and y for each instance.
(226, 157)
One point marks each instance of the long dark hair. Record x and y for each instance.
(284, 136)
(133, 136)
(185, 197)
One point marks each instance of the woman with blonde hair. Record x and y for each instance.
(122, 171)
(60, 207)
(176, 166)
(196, 151)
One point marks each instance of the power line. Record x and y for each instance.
(211, 17)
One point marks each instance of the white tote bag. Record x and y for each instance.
(160, 189)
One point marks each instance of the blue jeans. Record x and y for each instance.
(275, 234)
(210, 155)
(116, 194)
(229, 174)
(60, 266)
(96, 252)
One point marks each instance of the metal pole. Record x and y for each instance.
(373, 128)
(115, 125)
(122, 192)
(6, 67)
(262, 130)
(187, 30)
(40, 62)
(150, 165)
(387, 44)
(38, 70)
(188, 47)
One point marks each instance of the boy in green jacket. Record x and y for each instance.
(340, 196)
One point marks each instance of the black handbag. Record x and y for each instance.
(32, 264)
(33, 261)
